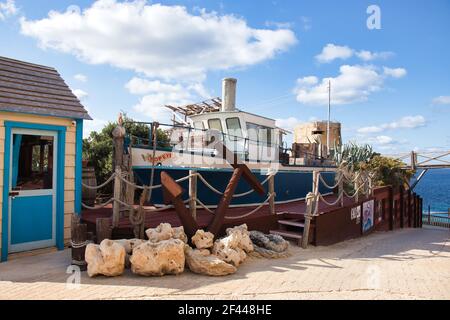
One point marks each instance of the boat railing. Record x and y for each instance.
(206, 136)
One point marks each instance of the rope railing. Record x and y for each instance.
(101, 185)
(327, 185)
(270, 195)
(237, 195)
(331, 203)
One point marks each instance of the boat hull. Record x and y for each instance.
(289, 185)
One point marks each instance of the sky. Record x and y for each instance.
(387, 61)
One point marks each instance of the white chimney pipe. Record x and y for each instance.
(229, 94)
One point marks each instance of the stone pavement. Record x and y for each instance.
(404, 264)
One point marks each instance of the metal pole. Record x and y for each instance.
(329, 116)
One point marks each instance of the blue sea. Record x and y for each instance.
(434, 188)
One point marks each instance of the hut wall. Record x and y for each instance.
(69, 170)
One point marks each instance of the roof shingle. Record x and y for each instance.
(36, 89)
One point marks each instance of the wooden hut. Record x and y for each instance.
(41, 130)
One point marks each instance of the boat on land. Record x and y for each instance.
(254, 139)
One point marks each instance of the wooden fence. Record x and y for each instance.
(393, 208)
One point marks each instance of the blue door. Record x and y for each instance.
(32, 189)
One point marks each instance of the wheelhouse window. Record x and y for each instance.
(260, 134)
(234, 128)
(199, 125)
(215, 124)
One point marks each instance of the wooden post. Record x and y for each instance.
(193, 193)
(117, 192)
(420, 211)
(410, 209)
(341, 191)
(315, 183)
(402, 208)
(310, 209)
(79, 241)
(272, 193)
(391, 210)
(413, 160)
(103, 229)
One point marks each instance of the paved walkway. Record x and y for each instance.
(405, 264)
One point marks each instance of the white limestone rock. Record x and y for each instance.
(129, 244)
(162, 232)
(106, 259)
(202, 239)
(158, 258)
(241, 238)
(202, 262)
(227, 253)
(178, 233)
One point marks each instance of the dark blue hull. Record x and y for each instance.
(289, 185)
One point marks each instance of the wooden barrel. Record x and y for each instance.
(88, 178)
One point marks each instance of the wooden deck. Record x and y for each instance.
(261, 220)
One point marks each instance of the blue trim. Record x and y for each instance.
(78, 165)
(61, 130)
(6, 167)
(17, 142)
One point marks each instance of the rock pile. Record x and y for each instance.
(167, 252)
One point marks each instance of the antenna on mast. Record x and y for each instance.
(329, 114)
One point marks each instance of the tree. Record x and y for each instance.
(388, 171)
(98, 147)
(352, 158)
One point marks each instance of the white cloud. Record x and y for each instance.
(288, 123)
(160, 41)
(355, 83)
(408, 122)
(8, 8)
(383, 140)
(279, 25)
(93, 125)
(366, 55)
(394, 72)
(80, 94)
(158, 94)
(441, 100)
(80, 77)
(331, 52)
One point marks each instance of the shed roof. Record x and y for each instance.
(31, 88)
